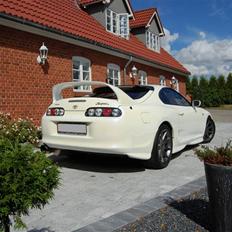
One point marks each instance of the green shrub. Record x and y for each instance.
(218, 155)
(27, 180)
(22, 130)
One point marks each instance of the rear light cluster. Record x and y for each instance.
(55, 112)
(103, 112)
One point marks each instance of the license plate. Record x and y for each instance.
(71, 128)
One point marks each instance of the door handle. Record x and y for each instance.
(181, 114)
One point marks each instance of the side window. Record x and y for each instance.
(171, 97)
(81, 72)
(142, 78)
(153, 41)
(113, 74)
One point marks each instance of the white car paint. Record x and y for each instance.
(133, 133)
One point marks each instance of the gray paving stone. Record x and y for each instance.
(114, 222)
(128, 216)
(146, 208)
(155, 203)
(136, 212)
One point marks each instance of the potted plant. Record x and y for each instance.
(218, 170)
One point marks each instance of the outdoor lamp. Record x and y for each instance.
(173, 81)
(134, 71)
(43, 55)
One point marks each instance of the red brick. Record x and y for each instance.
(25, 86)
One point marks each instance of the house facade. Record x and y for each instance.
(99, 40)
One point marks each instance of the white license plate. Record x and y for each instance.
(71, 128)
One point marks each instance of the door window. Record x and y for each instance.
(171, 97)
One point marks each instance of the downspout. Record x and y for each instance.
(124, 73)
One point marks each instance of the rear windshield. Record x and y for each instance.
(135, 92)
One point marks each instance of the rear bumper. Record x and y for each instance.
(104, 135)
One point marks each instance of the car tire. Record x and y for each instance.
(210, 130)
(162, 149)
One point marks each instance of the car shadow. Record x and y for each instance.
(104, 163)
(187, 148)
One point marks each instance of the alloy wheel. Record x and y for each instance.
(164, 145)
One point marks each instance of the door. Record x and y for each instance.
(187, 118)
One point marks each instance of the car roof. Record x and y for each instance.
(152, 87)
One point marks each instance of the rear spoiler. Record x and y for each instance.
(122, 97)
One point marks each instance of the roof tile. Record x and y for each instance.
(142, 18)
(66, 16)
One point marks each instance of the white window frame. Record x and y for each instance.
(122, 33)
(82, 61)
(113, 67)
(152, 41)
(118, 28)
(111, 15)
(142, 77)
(163, 80)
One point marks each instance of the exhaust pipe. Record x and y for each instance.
(45, 148)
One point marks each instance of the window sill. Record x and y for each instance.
(158, 51)
(118, 35)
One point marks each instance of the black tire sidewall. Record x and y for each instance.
(207, 140)
(155, 161)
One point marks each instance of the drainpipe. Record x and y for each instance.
(124, 73)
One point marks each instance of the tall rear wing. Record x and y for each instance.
(122, 97)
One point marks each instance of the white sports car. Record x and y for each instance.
(143, 122)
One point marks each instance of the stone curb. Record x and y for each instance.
(129, 216)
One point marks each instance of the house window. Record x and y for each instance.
(152, 41)
(113, 72)
(117, 23)
(81, 72)
(142, 78)
(162, 80)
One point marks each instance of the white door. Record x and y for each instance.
(187, 118)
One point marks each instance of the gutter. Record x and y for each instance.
(38, 29)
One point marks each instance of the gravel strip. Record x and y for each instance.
(188, 214)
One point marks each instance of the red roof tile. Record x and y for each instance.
(66, 16)
(142, 18)
(88, 2)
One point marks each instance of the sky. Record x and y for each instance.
(198, 33)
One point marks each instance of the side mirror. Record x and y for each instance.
(196, 103)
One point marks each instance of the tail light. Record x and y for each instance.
(55, 112)
(103, 112)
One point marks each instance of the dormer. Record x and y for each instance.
(114, 15)
(147, 27)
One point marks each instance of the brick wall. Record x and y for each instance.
(25, 86)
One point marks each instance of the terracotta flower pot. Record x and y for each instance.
(219, 184)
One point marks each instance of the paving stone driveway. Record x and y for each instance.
(96, 187)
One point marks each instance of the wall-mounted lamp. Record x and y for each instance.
(43, 55)
(134, 71)
(174, 84)
(173, 81)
